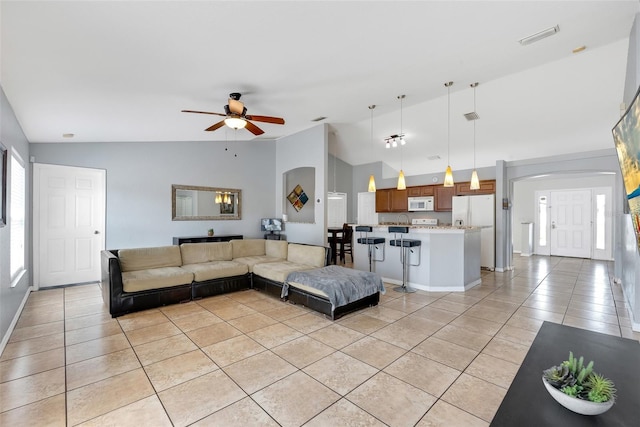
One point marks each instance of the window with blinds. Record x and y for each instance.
(17, 219)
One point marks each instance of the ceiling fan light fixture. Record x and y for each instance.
(235, 122)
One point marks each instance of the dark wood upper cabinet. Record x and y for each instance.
(383, 200)
(486, 187)
(422, 190)
(443, 195)
(391, 200)
(399, 202)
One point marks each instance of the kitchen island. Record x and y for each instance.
(448, 259)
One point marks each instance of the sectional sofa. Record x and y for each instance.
(143, 278)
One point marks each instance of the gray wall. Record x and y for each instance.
(307, 148)
(11, 299)
(140, 175)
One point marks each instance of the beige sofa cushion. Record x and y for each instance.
(250, 261)
(155, 278)
(216, 270)
(193, 253)
(247, 247)
(276, 248)
(278, 271)
(146, 258)
(306, 254)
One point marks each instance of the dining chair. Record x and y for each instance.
(345, 242)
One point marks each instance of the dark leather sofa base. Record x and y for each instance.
(130, 302)
(220, 286)
(314, 302)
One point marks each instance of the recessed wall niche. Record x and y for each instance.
(299, 194)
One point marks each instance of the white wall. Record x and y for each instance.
(524, 203)
(140, 175)
(309, 149)
(13, 139)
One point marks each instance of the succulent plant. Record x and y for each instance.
(575, 379)
(601, 389)
(559, 376)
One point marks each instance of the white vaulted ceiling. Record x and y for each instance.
(122, 71)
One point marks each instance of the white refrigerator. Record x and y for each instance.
(479, 211)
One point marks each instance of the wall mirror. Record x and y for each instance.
(192, 203)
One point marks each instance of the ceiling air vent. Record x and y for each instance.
(436, 157)
(318, 119)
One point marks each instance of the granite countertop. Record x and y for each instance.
(422, 227)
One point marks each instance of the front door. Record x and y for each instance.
(570, 220)
(69, 224)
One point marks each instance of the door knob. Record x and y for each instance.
(553, 225)
(96, 232)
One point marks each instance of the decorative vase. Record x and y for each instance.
(579, 406)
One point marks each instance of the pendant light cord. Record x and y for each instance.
(475, 112)
(449, 124)
(401, 97)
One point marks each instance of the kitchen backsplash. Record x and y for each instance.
(444, 218)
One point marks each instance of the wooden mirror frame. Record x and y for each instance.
(234, 213)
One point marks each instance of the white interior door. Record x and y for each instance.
(570, 215)
(69, 224)
(336, 209)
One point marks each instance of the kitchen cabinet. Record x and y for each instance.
(486, 187)
(391, 200)
(420, 191)
(399, 202)
(383, 200)
(443, 197)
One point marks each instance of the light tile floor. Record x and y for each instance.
(423, 359)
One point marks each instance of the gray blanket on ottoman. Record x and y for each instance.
(342, 285)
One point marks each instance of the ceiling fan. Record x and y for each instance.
(237, 117)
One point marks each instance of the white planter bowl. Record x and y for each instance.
(574, 404)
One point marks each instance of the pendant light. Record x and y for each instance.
(401, 182)
(372, 180)
(475, 183)
(448, 175)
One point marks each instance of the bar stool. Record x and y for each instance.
(406, 246)
(371, 242)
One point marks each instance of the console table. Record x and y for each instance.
(205, 239)
(527, 402)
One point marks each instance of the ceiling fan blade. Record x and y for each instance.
(266, 119)
(216, 126)
(204, 112)
(253, 128)
(235, 106)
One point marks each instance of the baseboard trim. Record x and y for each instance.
(14, 322)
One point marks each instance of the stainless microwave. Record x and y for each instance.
(417, 204)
